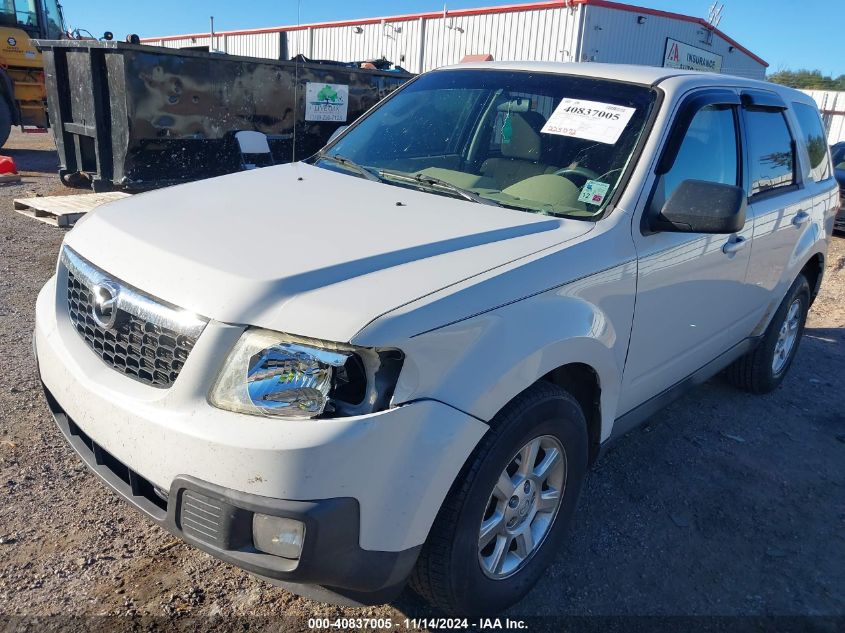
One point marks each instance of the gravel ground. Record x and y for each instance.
(725, 504)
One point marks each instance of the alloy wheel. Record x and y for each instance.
(522, 507)
(786, 337)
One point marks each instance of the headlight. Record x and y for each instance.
(273, 374)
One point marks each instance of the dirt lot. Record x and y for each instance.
(725, 504)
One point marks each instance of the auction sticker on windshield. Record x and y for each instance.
(593, 192)
(590, 120)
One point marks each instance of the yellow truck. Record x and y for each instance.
(22, 92)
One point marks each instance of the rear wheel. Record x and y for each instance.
(506, 515)
(5, 121)
(762, 369)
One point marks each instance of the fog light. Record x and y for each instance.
(279, 536)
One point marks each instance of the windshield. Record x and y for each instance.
(19, 13)
(545, 143)
(55, 20)
(24, 14)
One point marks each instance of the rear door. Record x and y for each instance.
(692, 300)
(791, 179)
(778, 201)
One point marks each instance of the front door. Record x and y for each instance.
(692, 300)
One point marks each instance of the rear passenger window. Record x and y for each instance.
(708, 152)
(770, 150)
(814, 136)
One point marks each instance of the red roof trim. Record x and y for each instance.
(674, 16)
(532, 6)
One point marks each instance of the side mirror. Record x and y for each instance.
(697, 206)
(337, 133)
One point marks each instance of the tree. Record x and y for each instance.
(807, 80)
(327, 94)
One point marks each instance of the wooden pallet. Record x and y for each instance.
(64, 211)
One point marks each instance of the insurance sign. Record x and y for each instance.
(680, 55)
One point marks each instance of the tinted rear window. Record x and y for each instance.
(771, 157)
(814, 136)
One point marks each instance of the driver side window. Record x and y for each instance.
(708, 152)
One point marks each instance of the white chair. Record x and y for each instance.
(254, 148)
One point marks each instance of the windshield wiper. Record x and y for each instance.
(437, 182)
(366, 172)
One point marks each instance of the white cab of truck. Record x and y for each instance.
(394, 362)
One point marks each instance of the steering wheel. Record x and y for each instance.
(577, 171)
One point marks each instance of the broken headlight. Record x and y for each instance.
(277, 375)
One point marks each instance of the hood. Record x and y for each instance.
(304, 250)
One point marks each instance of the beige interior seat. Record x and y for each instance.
(520, 158)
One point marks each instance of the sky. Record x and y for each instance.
(788, 34)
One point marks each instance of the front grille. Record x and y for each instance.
(149, 341)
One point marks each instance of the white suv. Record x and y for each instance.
(397, 360)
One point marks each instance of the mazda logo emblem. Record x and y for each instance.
(104, 311)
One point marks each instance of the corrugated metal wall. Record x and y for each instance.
(420, 44)
(615, 36)
(540, 35)
(397, 41)
(832, 106)
(182, 42)
(426, 43)
(298, 42)
(265, 45)
(552, 33)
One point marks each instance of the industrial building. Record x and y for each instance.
(832, 106)
(560, 30)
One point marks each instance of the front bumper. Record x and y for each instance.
(331, 555)
(839, 221)
(367, 488)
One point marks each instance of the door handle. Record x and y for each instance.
(802, 217)
(734, 245)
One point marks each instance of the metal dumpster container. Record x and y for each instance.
(136, 117)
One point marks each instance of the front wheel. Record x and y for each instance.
(762, 369)
(506, 515)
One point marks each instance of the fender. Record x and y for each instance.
(813, 241)
(479, 364)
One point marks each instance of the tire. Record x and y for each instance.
(757, 371)
(5, 121)
(449, 572)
